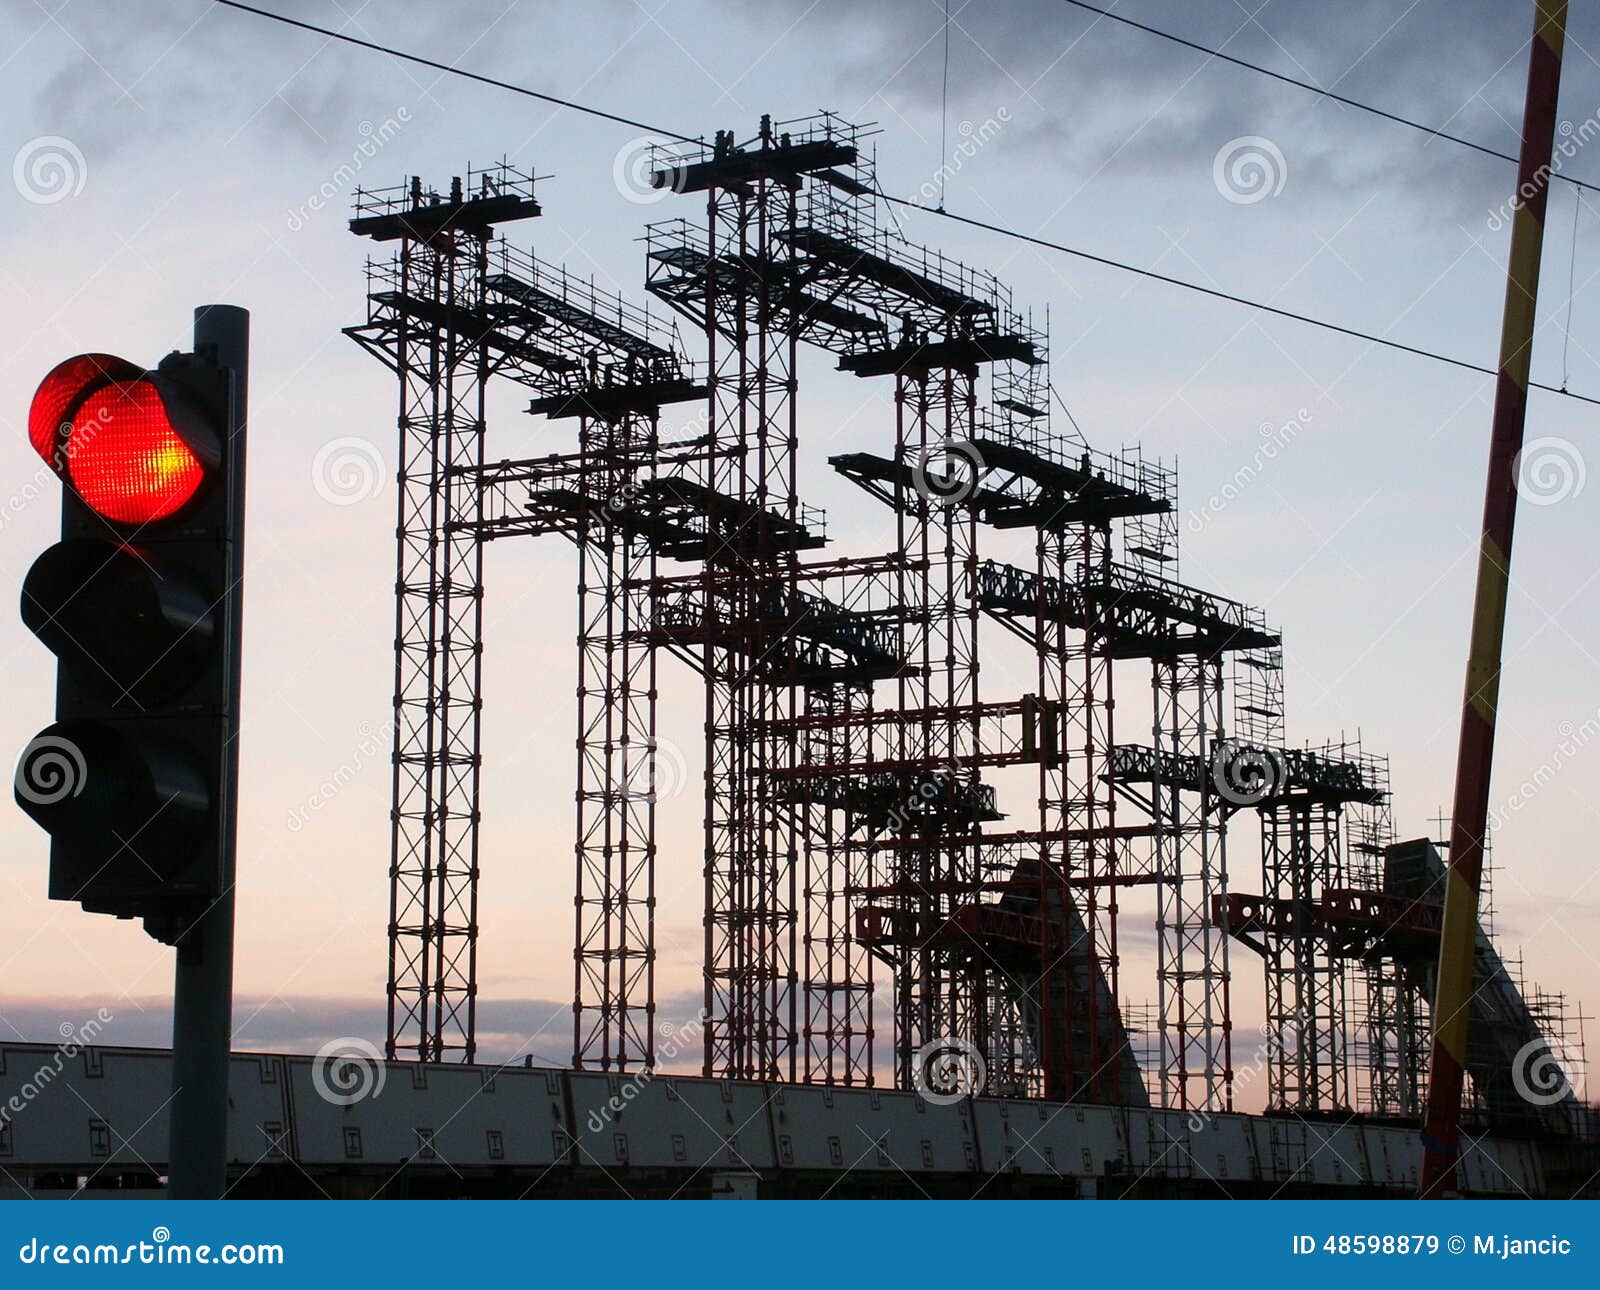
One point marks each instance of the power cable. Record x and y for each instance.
(944, 108)
(1209, 52)
(1229, 296)
(998, 229)
(454, 71)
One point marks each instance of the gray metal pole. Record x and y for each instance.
(202, 1008)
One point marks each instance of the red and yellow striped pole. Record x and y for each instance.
(1453, 997)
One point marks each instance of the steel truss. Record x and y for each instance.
(735, 277)
(1307, 924)
(938, 994)
(611, 368)
(1077, 797)
(1308, 1061)
(426, 321)
(613, 1000)
(451, 309)
(1390, 1018)
(1192, 974)
(838, 1026)
(978, 928)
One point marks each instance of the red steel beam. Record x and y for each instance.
(1442, 1124)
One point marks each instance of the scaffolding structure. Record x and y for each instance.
(854, 845)
(734, 276)
(427, 322)
(453, 307)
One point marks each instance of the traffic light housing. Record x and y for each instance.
(140, 601)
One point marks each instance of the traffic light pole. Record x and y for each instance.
(202, 1012)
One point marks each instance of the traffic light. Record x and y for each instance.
(140, 602)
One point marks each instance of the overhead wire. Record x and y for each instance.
(944, 108)
(1572, 273)
(453, 70)
(1311, 88)
(1217, 294)
(985, 225)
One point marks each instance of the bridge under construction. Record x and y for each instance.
(866, 879)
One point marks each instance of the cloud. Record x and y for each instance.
(1090, 96)
(123, 76)
(508, 1029)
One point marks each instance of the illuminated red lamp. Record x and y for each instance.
(54, 402)
(125, 440)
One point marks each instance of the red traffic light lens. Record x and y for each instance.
(54, 403)
(125, 458)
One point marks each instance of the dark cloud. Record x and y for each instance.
(1086, 96)
(1086, 93)
(126, 75)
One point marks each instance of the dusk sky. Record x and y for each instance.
(173, 154)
